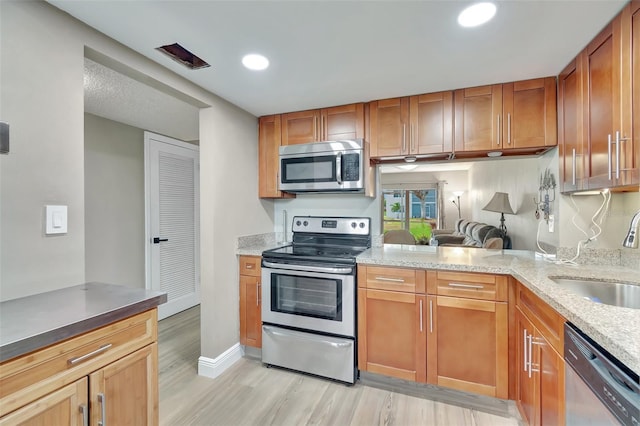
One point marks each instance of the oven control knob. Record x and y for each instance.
(361, 224)
(353, 225)
(298, 223)
(305, 223)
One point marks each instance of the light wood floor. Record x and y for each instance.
(250, 394)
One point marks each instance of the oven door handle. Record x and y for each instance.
(308, 268)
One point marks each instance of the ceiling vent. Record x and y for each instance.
(183, 56)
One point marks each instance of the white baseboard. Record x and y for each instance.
(212, 368)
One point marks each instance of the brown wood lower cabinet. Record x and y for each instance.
(108, 375)
(250, 303)
(468, 332)
(539, 360)
(391, 334)
(468, 345)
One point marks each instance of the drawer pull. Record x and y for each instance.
(457, 285)
(103, 348)
(393, 280)
(248, 266)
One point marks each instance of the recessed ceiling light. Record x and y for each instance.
(477, 14)
(255, 62)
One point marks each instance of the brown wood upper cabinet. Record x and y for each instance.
(416, 125)
(269, 141)
(341, 122)
(518, 115)
(599, 100)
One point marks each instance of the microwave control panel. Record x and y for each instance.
(351, 167)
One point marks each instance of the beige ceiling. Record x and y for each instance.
(326, 53)
(117, 97)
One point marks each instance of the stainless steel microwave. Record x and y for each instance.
(332, 166)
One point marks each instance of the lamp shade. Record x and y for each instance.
(499, 203)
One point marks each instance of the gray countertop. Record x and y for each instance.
(33, 322)
(616, 329)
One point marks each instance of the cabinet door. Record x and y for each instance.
(431, 124)
(529, 112)
(468, 345)
(250, 311)
(478, 118)
(526, 386)
(550, 372)
(342, 122)
(389, 119)
(126, 391)
(269, 140)
(391, 334)
(631, 160)
(66, 406)
(570, 150)
(602, 113)
(300, 127)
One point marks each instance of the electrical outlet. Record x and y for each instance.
(551, 223)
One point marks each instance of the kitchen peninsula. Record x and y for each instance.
(91, 345)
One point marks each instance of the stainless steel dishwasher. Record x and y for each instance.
(600, 390)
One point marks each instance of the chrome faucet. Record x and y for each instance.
(631, 240)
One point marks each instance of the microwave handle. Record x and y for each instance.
(339, 168)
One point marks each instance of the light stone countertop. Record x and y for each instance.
(615, 329)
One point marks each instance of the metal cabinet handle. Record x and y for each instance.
(393, 280)
(103, 348)
(609, 154)
(530, 339)
(103, 410)
(618, 154)
(421, 316)
(524, 350)
(411, 139)
(431, 316)
(498, 131)
(248, 266)
(573, 161)
(509, 128)
(85, 414)
(258, 286)
(458, 285)
(404, 137)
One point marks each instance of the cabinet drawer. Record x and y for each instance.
(34, 375)
(250, 265)
(468, 285)
(548, 322)
(394, 279)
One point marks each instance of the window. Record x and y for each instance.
(415, 210)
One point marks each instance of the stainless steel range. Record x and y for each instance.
(309, 297)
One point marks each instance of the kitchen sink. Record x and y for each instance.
(609, 293)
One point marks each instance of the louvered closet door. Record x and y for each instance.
(172, 222)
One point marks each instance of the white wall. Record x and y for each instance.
(229, 207)
(114, 202)
(42, 98)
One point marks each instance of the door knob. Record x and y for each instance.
(158, 240)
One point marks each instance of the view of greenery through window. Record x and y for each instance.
(414, 210)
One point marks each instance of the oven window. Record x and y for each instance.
(309, 169)
(306, 296)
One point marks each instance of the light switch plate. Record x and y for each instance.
(56, 220)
